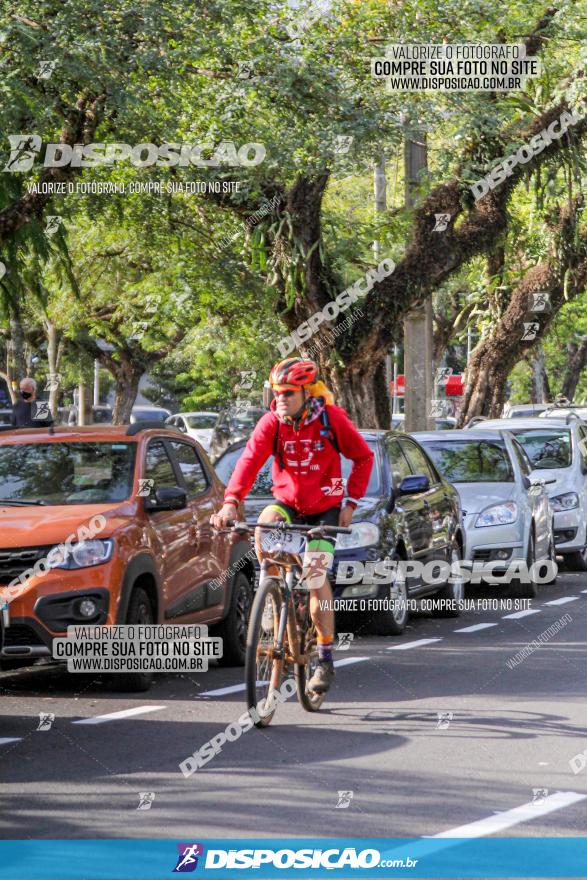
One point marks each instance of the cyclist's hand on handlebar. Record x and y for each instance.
(225, 516)
(345, 516)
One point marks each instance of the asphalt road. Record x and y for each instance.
(514, 729)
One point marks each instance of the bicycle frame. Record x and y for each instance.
(287, 619)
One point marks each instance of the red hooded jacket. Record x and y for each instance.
(310, 480)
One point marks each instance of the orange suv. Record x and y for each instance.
(109, 524)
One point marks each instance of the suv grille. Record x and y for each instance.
(15, 561)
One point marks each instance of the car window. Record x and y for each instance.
(191, 468)
(583, 445)
(550, 448)
(67, 473)
(201, 421)
(523, 460)
(471, 461)
(158, 466)
(418, 461)
(400, 467)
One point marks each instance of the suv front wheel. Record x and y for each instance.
(139, 611)
(233, 629)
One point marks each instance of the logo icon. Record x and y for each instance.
(444, 719)
(46, 720)
(23, 149)
(145, 488)
(46, 68)
(41, 410)
(146, 799)
(438, 409)
(314, 568)
(539, 301)
(52, 222)
(187, 860)
(246, 69)
(343, 143)
(530, 331)
(344, 799)
(441, 222)
(2, 269)
(442, 375)
(539, 795)
(344, 641)
(53, 381)
(336, 486)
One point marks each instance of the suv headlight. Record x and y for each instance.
(363, 534)
(84, 554)
(497, 515)
(566, 501)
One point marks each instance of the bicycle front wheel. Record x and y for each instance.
(304, 671)
(263, 670)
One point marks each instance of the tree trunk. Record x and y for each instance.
(575, 366)
(17, 351)
(520, 328)
(127, 375)
(54, 355)
(540, 384)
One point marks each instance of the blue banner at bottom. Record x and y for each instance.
(223, 858)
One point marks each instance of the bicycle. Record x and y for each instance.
(281, 634)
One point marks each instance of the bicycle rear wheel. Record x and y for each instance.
(263, 671)
(304, 671)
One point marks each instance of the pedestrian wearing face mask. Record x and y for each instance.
(30, 412)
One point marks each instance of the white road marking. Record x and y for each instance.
(348, 660)
(562, 601)
(502, 821)
(519, 614)
(475, 628)
(584, 591)
(9, 739)
(115, 716)
(237, 688)
(415, 644)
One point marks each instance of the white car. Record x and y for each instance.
(523, 410)
(198, 425)
(506, 512)
(557, 449)
(561, 412)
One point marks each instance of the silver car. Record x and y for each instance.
(506, 511)
(557, 448)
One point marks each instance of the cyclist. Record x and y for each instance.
(306, 434)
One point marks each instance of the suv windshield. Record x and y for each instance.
(546, 449)
(262, 485)
(201, 421)
(471, 461)
(67, 473)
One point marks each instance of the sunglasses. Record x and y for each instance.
(288, 393)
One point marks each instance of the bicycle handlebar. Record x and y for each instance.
(288, 527)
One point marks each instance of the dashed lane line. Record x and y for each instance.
(476, 628)
(407, 645)
(116, 716)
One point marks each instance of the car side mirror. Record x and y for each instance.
(526, 482)
(168, 498)
(414, 484)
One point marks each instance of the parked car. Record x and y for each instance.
(506, 512)
(523, 410)
(148, 414)
(557, 449)
(157, 558)
(68, 415)
(409, 512)
(563, 412)
(398, 421)
(198, 425)
(233, 426)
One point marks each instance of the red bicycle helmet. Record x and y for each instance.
(293, 373)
